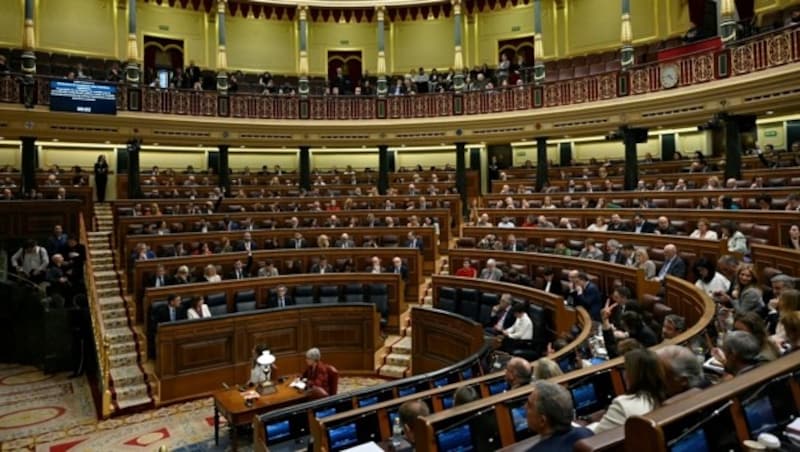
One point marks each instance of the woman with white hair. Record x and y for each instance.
(318, 375)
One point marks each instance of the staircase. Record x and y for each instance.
(128, 381)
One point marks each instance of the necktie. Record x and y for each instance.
(281, 303)
(171, 314)
(665, 268)
(160, 281)
(297, 244)
(238, 274)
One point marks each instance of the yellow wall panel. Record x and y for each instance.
(677, 14)
(10, 155)
(357, 159)
(11, 21)
(528, 152)
(67, 157)
(426, 43)
(644, 20)
(178, 23)
(76, 26)
(514, 23)
(688, 142)
(256, 45)
(772, 133)
(592, 25)
(437, 158)
(255, 160)
(601, 149)
(177, 160)
(324, 36)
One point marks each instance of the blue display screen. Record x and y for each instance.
(584, 396)
(466, 374)
(278, 430)
(367, 401)
(440, 382)
(408, 390)
(520, 417)
(392, 416)
(455, 439)
(83, 97)
(447, 402)
(342, 436)
(760, 416)
(693, 442)
(497, 387)
(325, 412)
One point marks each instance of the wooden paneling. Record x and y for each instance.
(35, 219)
(398, 303)
(442, 338)
(197, 356)
(784, 259)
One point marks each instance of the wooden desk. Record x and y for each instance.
(230, 404)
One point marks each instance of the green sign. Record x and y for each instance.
(771, 133)
(344, 42)
(516, 28)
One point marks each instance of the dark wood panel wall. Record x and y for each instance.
(441, 339)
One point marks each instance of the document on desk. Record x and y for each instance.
(366, 447)
(298, 384)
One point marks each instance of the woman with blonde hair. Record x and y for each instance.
(545, 368)
(323, 241)
(641, 259)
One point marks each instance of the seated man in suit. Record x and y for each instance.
(616, 224)
(586, 293)
(317, 375)
(172, 311)
(247, 243)
(512, 244)
(642, 226)
(414, 241)
(551, 283)
(502, 317)
(673, 264)
(550, 410)
(520, 331)
(182, 276)
(161, 278)
(297, 241)
(322, 267)
(375, 266)
(491, 272)
(345, 241)
(281, 299)
(664, 227)
(240, 270)
(400, 268)
(614, 252)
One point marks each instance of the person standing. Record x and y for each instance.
(101, 177)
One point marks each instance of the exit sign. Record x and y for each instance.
(771, 133)
(516, 28)
(344, 42)
(163, 27)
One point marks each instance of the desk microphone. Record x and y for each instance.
(225, 385)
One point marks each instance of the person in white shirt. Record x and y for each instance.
(31, 261)
(211, 274)
(199, 309)
(646, 390)
(703, 231)
(506, 223)
(522, 329)
(709, 280)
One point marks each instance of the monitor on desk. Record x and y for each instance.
(278, 431)
(455, 439)
(519, 418)
(584, 396)
(695, 441)
(467, 373)
(350, 432)
(342, 437)
(592, 393)
(441, 381)
(291, 426)
(367, 401)
(325, 412)
(760, 416)
(496, 387)
(447, 400)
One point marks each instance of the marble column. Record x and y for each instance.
(626, 37)
(302, 18)
(380, 14)
(132, 70)
(538, 48)
(458, 63)
(222, 56)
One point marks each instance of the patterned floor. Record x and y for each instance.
(60, 417)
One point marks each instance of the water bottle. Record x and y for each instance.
(397, 429)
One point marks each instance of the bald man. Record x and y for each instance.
(518, 372)
(673, 264)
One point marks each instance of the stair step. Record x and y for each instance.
(122, 348)
(110, 301)
(117, 313)
(402, 346)
(120, 335)
(398, 359)
(114, 323)
(131, 392)
(127, 376)
(124, 359)
(105, 275)
(128, 403)
(98, 252)
(392, 371)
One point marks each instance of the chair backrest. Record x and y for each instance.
(329, 294)
(216, 299)
(304, 294)
(379, 296)
(333, 380)
(245, 296)
(468, 294)
(354, 293)
(246, 306)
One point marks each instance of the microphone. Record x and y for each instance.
(225, 385)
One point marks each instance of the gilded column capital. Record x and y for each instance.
(456, 6)
(221, 5)
(302, 12)
(380, 13)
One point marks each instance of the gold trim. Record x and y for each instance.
(167, 36)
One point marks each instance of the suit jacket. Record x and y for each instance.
(403, 270)
(419, 244)
(345, 243)
(240, 246)
(168, 281)
(317, 269)
(293, 243)
(555, 287)
(507, 322)
(245, 269)
(677, 268)
(647, 228)
(669, 230)
(617, 258)
(162, 314)
(273, 301)
(517, 247)
(620, 227)
(491, 275)
(591, 300)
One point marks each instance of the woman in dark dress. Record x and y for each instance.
(101, 177)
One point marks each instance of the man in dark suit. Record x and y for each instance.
(617, 225)
(664, 227)
(230, 225)
(414, 241)
(281, 299)
(502, 317)
(551, 283)
(642, 226)
(345, 241)
(512, 244)
(586, 293)
(182, 276)
(161, 278)
(241, 270)
(247, 243)
(400, 268)
(322, 267)
(172, 311)
(613, 252)
(673, 264)
(298, 241)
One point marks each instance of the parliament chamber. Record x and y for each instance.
(433, 225)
